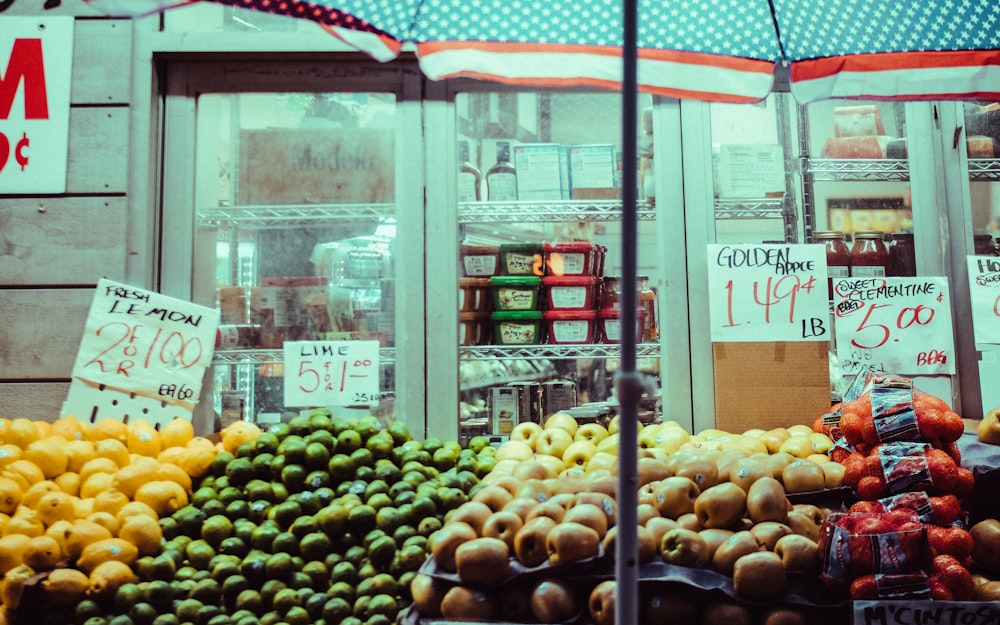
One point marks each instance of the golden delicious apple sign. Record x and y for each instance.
(36, 59)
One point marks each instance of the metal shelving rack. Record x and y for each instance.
(555, 352)
(548, 211)
(832, 169)
(289, 216)
(765, 208)
(984, 169)
(387, 356)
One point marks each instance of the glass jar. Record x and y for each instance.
(869, 255)
(902, 256)
(984, 245)
(647, 303)
(610, 292)
(838, 256)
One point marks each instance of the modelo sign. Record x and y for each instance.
(36, 60)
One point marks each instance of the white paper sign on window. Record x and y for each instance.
(984, 297)
(895, 325)
(331, 373)
(36, 60)
(768, 293)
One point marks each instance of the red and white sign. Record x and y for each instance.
(36, 61)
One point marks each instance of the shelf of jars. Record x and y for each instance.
(549, 211)
(583, 350)
(289, 216)
(840, 169)
(763, 208)
(984, 169)
(387, 356)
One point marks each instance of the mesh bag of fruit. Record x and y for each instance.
(854, 544)
(905, 466)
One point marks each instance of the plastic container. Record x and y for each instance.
(521, 259)
(838, 256)
(515, 292)
(473, 327)
(567, 327)
(480, 260)
(517, 327)
(609, 325)
(570, 292)
(610, 292)
(571, 259)
(869, 256)
(474, 295)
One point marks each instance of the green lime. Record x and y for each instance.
(121, 619)
(297, 615)
(143, 568)
(254, 567)
(222, 459)
(263, 536)
(317, 455)
(258, 510)
(348, 441)
(166, 619)
(159, 594)
(271, 618)
(340, 467)
(356, 554)
(286, 543)
(170, 527)
(336, 609)
(363, 457)
(235, 546)
(250, 600)
(293, 476)
(299, 425)
(285, 599)
(293, 449)
(380, 444)
(304, 525)
(216, 529)
(388, 519)
(314, 546)
(379, 501)
(206, 613)
(286, 512)
(277, 464)
(230, 494)
(243, 529)
(308, 501)
(314, 605)
(346, 572)
(207, 591)
(187, 610)
(280, 491)
(211, 508)
(320, 422)
(411, 557)
(262, 465)
(332, 519)
(378, 619)
(200, 552)
(318, 479)
(281, 430)
(143, 614)
(270, 588)
(258, 489)
(245, 450)
(221, 482)
(324, 437)
(361, 519)
(317, 571)
(238, 509)
(86, 609)
(382, 551)
(266, 443)
(127, 595)
(232, 586)
(190, 517)
(240, 471)
(198, 499)
(361, 605)
(382, 604)
(341, 590)
(280, 566)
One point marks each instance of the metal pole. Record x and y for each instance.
(628, 385)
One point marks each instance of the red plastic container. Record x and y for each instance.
(610, 327)
(570, 292)
(567, 327)
(571, 259)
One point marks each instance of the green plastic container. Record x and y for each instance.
(517, 327)
(521, 259)
(515, 292)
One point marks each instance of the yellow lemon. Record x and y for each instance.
(30, 471)
(106, 520)
(83, 532)
(237, 433)
(78, 453)
(163, 496)
(10, 495)
(69, 482)
(38, 490)
(172, 455)
(12, 550)
(68, 427)
(105, 550)
(64, 588)
(108, 428)
(14, 581)
(59, 530)
(114, 450)
(110, 500)
(106, 578)
(9, 453)
(176, 433)
(135, 507)
(96, 483)
(56, 506)
(4, 424)
(198, 457)
(143, 439)
(144, 532)
(44, 429)
(97, 465)
(22, 432)
(84, 507)
(173, 473)
(4, 519)
(25, 521)
(48, 455)
(129, 478)
(43, 553)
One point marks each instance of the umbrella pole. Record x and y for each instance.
(628, 386)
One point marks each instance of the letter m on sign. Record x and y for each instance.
(26, 65)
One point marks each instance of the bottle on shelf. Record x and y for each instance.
(902, 257)
(838, 257)
(469, 178)
(501, 179)
(869, 256)
(647, 302)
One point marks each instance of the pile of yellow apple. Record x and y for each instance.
(713, 500)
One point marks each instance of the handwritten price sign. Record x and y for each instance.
(768, 293)
(895, 325)
(146, 343)
(331, 373)
(984, 294)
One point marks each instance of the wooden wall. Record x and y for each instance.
(53, 249)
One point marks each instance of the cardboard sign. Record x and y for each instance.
(331, 373)
(138, 343)
(36, 60)
(768, 293)
(894, 325)
(984, 296)
(922, 612)
(313, 166)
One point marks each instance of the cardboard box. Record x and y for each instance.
(542, 171)
(769, 385)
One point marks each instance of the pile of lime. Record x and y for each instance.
(320, 521)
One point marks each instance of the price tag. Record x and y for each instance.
(768, 293)
(894, 325)
(138, 342)
(984, 296)
(331, 373)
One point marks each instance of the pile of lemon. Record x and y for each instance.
(81, 502)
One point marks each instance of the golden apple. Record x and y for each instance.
(579, 453)
(553, 441)
(526, 432)
(562, 420)
(593, 432)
